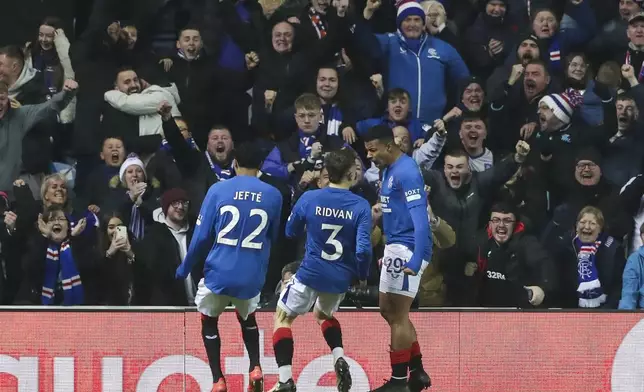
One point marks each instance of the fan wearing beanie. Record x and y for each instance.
(410, 20)
(556, 110)
(417, 62)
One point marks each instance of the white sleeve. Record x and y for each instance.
(139, 104)
(427, 154)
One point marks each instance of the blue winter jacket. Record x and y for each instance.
(633, 282)
(424, 75)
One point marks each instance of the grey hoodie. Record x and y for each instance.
(14, 126)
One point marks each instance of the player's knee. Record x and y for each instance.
(320, 316)
(209, 322)
(282, 319)
(250, 321)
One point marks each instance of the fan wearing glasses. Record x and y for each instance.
(512, 268)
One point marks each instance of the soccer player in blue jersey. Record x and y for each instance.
(338, 250)
(238, 222)
(403, 203)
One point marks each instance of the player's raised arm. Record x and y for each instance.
(416, 200)
(295, 222)
(363, 243)
(203, 236)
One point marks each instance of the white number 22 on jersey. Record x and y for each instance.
(337, 245)
(248, 241)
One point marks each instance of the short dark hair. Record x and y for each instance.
(380, 132)
(457, 153)
(397, 93)
(52, 209)
(218, 127)
(338, 163)
(504, 208)
(4, 88)
(191, 26)
(541, 63)
(469, 116)
(52, 21)
(625, 97)
(248, 155)
(121, 70)
(14, 52)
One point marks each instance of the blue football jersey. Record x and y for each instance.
(238, 222)
(338, 238)
(402, 190)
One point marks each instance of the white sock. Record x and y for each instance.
(285, 372)
(338, 352)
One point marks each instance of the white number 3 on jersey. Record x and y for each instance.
(337, 245)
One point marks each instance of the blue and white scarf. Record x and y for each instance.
(165, 146)
(221, 173)
(589, 290)
(60, 258)
(137, 223)
(554, 51)
(333, 118)
(306, 141)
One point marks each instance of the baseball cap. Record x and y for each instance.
(636, 17)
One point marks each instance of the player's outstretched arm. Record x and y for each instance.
(203, 237)
(363, 243)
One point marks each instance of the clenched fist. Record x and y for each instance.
(269, 97)
(522, 149)
(70, 85)
(252, 60)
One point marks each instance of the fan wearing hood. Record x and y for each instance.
(491, 38)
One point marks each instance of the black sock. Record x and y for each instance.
(283, 346)
(212, 342)
(332, 333)
(250, 333)
(416, 361)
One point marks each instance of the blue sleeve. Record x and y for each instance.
(295, 222)
(456, 68)
(416, 200)
(363, 243)
(422, 238)
(586, 26)
(383, 41)
(631, 283)
(274, 165)
(203, 237)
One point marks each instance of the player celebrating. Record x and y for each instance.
(403, 203)
(238, 222)
(338, 249)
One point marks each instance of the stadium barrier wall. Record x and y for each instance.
(145, 350)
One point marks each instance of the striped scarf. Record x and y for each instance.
(333, 119)
(137, 224)
(61, 267)
(318, 23)
(554, 51)
(589, 290)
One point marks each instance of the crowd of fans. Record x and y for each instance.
(125, 120)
